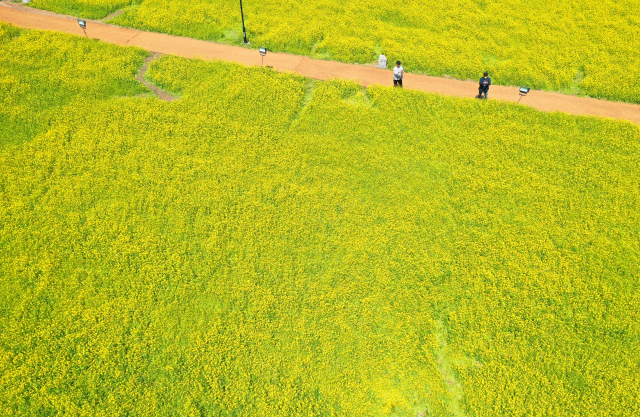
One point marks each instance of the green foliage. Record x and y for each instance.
(544, 45)
(42, 71)
(88, 9)
(267, 245)
(201, 21)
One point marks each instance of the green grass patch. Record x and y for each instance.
(44, 72)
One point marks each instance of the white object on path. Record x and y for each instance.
(382, 62)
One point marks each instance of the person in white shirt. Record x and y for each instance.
(398, 72)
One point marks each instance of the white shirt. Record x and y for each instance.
(397, 72)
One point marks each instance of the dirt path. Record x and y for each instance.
(317, 69)
(161, 94)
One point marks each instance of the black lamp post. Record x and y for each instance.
(244, 31)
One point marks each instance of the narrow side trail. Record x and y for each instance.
(160, 93)
(313, 68)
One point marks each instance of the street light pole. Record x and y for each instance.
(244, 31)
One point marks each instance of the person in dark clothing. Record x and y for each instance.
(485, 82)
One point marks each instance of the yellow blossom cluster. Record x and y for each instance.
(585, 47)
(269, 245)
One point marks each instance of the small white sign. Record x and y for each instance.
(382, 62)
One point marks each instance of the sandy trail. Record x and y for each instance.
(313, 68)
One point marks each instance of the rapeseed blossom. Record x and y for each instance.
(584, 47)
(271, 245)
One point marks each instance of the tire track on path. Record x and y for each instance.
(28, 17)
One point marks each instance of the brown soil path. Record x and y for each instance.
(318, 69)
(160, 93)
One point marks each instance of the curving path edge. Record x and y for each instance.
(28, 17)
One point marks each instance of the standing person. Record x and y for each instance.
(485, 82)
(398, 72)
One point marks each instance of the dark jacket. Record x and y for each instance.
(483, 86)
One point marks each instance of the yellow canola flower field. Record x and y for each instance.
(270, 245)
(584, 47)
